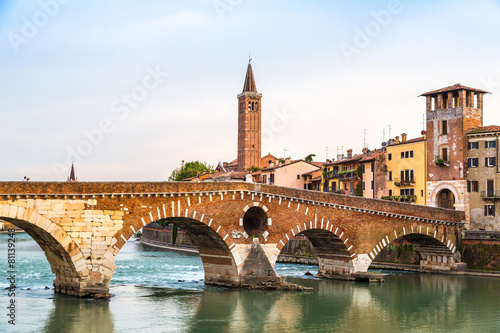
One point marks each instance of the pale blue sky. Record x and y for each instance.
(69, 74)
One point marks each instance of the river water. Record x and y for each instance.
(156, 290)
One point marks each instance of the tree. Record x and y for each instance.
(253, 169)
(164, 223)
(309, 158)
(190, 169)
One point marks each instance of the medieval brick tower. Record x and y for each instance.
(249, 124)
(451, 113)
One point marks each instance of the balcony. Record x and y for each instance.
(404, 182)
(348, 175)
(330, 174)
(490, 195)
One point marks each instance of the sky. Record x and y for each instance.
(126, 90)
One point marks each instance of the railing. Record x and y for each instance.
(404, 182)
(492, 194)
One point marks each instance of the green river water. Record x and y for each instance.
(156, 290)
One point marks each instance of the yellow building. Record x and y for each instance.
(406, 166)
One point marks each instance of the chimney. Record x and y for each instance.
(397, 139)
(349, 153)
(403, 137)
(366, 150)
(288, 160)
(271, 165)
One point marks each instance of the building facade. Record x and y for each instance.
(288, 174)
(451, 112)
(374, 175)
(249, 124)
(483, 178)
(406, 170)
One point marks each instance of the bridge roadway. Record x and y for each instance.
(239, 228)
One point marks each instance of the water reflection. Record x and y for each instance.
(71, 314)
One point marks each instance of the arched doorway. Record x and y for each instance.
(446, 199)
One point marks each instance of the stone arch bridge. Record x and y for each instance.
(238, 228)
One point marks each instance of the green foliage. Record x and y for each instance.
(253, 169)
(346, 171)
(309, 158)
(190, 169)
(359, 186)
(166, 222)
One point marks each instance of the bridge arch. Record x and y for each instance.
(435, 250)
(63, 254)
(336, 253)
(221, 260)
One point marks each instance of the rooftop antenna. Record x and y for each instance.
(326, 153)
(383, 135)
(364, 138)
(249, 58)
(389, 131)
(284, 151)
(423, 122)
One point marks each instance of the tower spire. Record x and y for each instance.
(249, 79)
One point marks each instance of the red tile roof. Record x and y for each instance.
(408, 141)
(484, 129)
(455, 87)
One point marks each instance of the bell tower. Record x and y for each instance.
(249, 123)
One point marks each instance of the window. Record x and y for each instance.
(421, 193)
(271, 178)
(298, 176)
(444, 154)
(489, 210)
(490, 185)
(402, 154)
(390, 175)
(412, 176)
(473, 145)
(472, 186)
(363, 168)
(489, 144)
(473, 162)
(345, 186)
(264, 179)
(489, 162)
(390, 193)
(371, 185)
(444, 127)
(407, 154)
(389, 157)
(363, 186)
(411, 153)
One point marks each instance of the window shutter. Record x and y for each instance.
(485, 144)
(468, 145)
(469, 162)
(402, 174)
(493, 210)
(494, 161)
(477, 162)
(494, 144)
(468, 186)
(485, 210)
(486, 161)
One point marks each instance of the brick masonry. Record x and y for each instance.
(82, 226)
